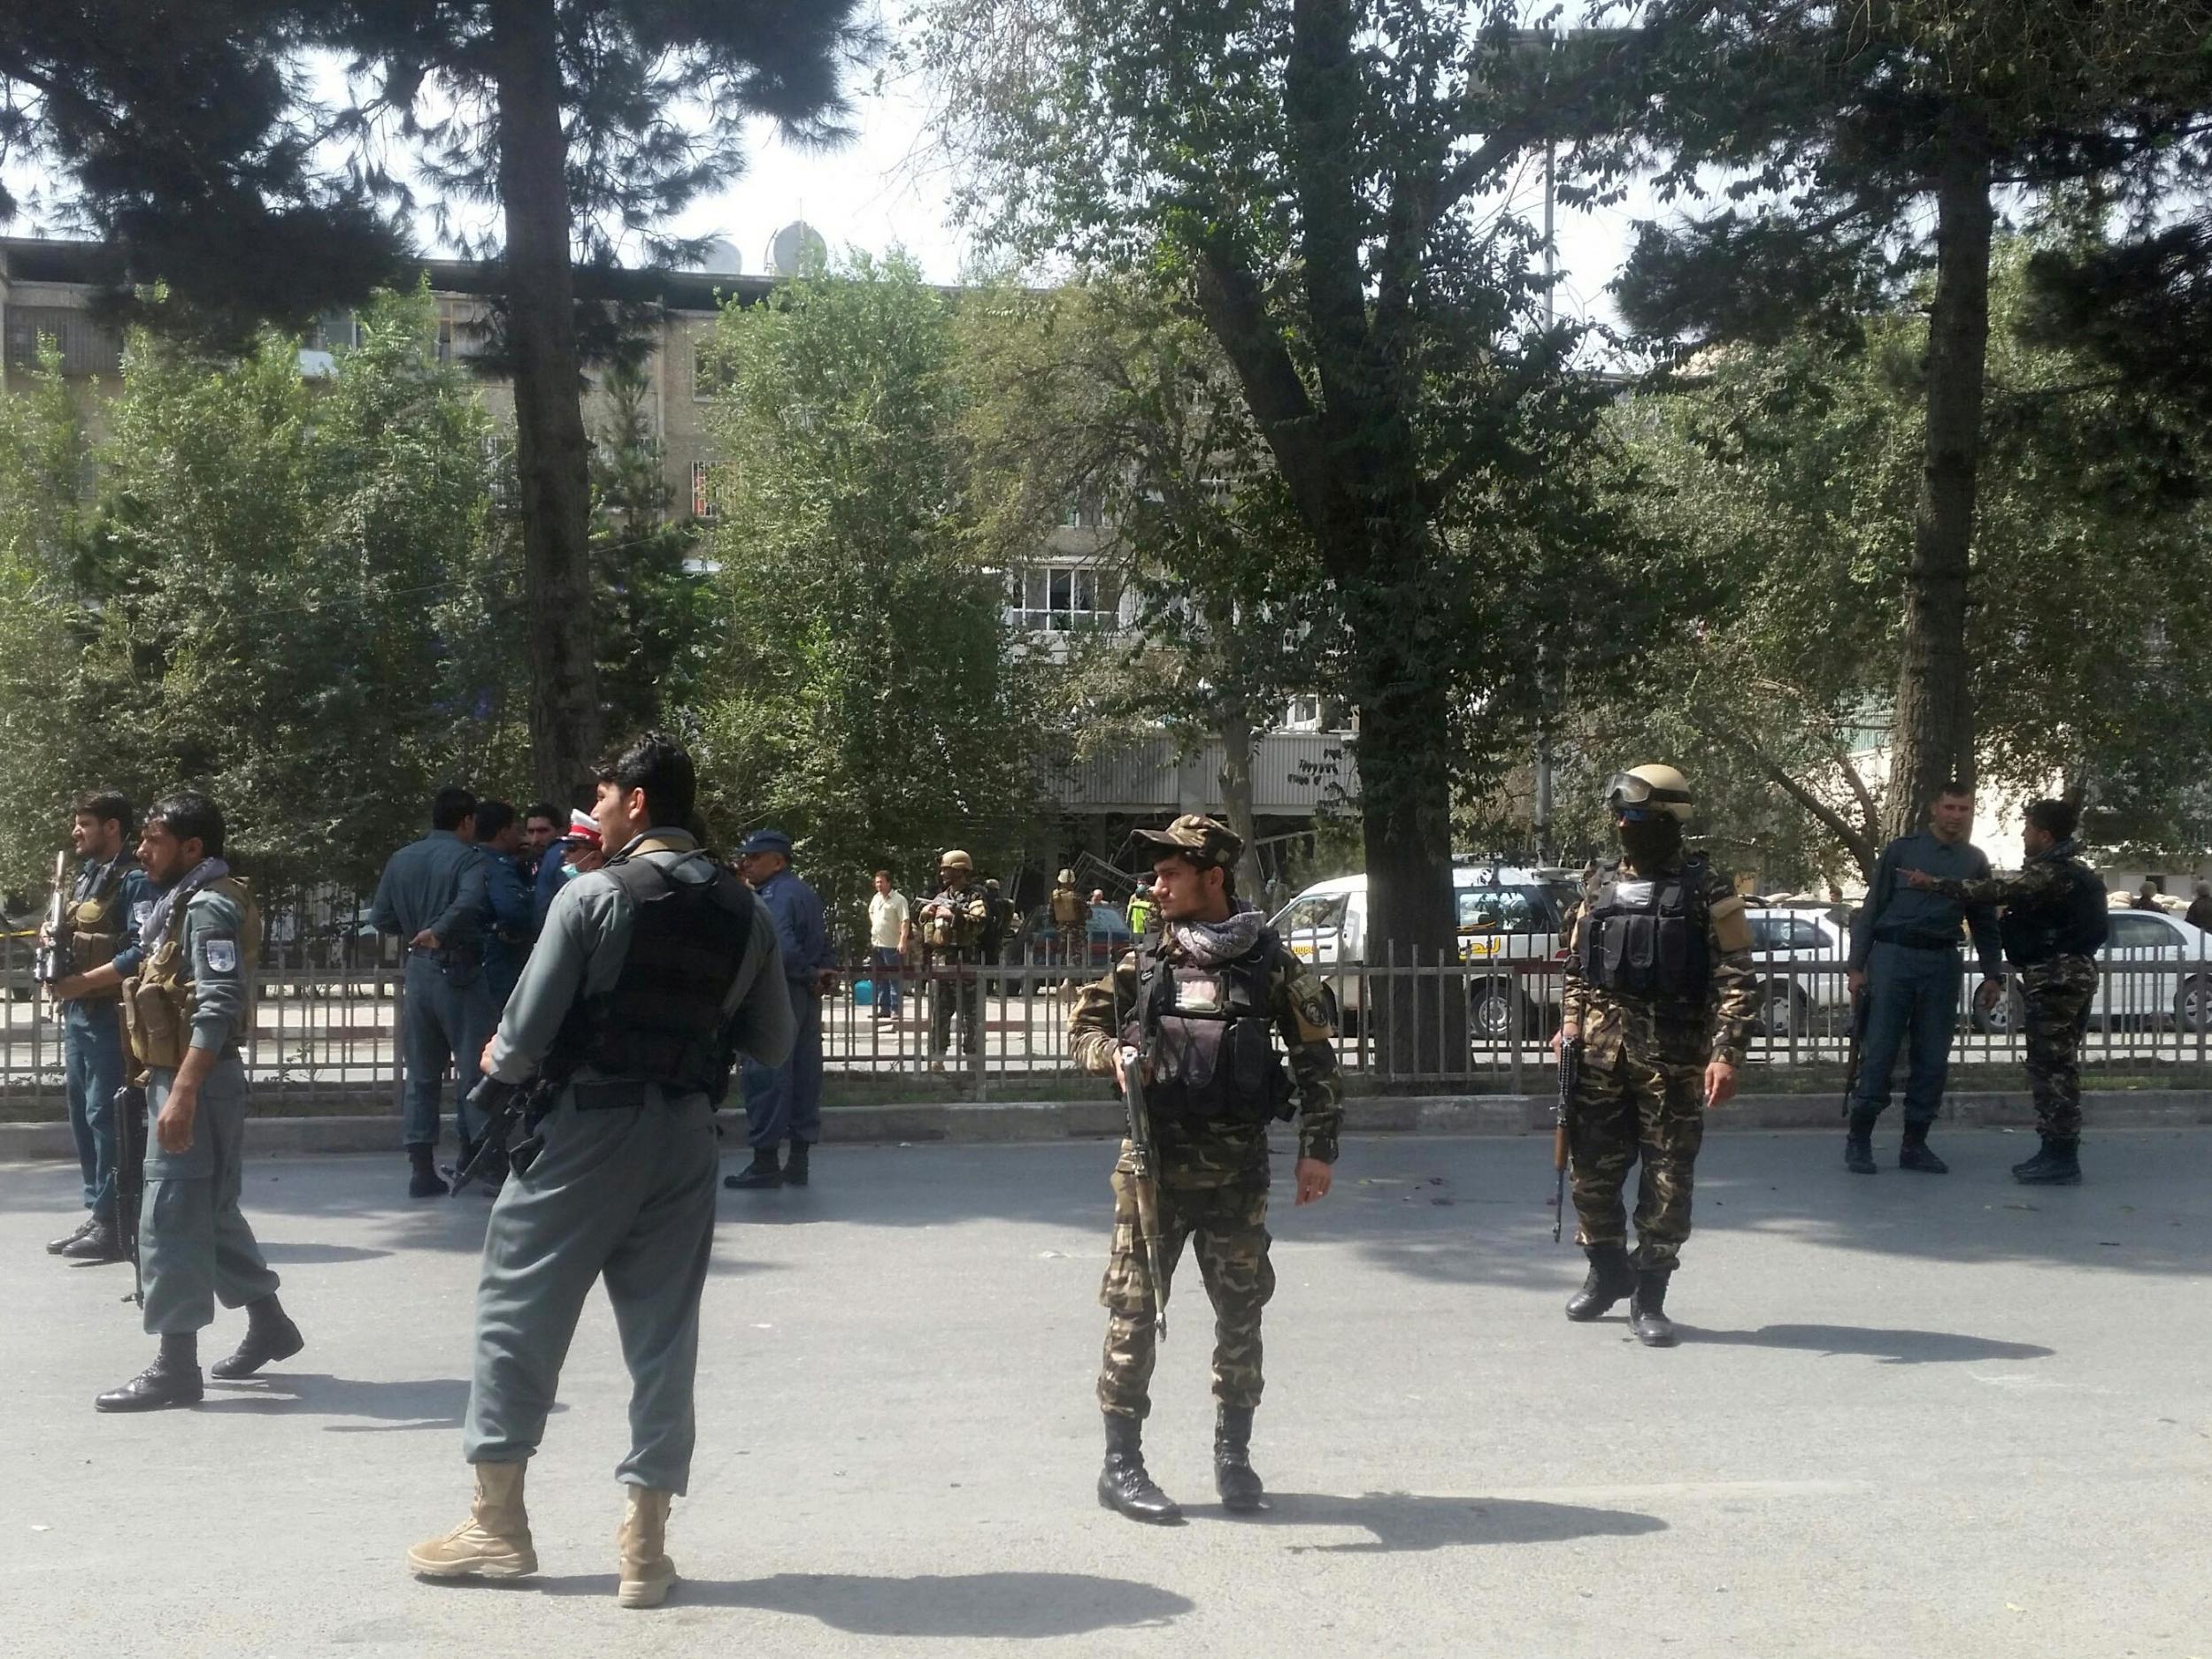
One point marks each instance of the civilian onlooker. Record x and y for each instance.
(1905, 960)
(432, 896)
(2146, 896)
(2201, 907)
(890, 932)
(786, 1100)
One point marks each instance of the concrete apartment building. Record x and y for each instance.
(48, 288)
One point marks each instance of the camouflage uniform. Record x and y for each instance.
(952, 947)
(2057, 991)
(1213, 1179)
(1641, 1093)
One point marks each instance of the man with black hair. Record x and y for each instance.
(1905, 961)
(653, 973)
(2054, 925)
(189, 1007)
(541, 824)
(1215, 989)
(107, 901)
(432, 896)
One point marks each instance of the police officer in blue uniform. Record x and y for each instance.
(432, 896)
(652, 974)
(107, 901)
(785, 1102)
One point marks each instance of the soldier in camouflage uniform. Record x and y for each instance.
(951, 923)
(1219, 985)
(2054, 924)
(1660, 993)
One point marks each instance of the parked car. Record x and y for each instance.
(2166, 974)
(1108, 936)
(1816, 943)
(1507, 915)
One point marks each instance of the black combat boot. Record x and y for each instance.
(1915, 1155)
(172, 1379)
(1858, 1143)
(1610, 1278)
(270, 1335)
(1239, 1487)
(422, 1181)
(1123, 1484)
(1648, 1308)
(57, 1246)
(761, 1173)
(2058, 1164)
(795, 1165)
(99, 1242)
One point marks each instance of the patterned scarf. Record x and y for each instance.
(156, 933)
(1210, 944)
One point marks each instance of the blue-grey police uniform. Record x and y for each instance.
(784, 1102)
(506, 925)
(434, 884)
(93, 1060)
(622, 1189)
(195, 1245)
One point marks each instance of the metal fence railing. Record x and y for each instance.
(329, 1035)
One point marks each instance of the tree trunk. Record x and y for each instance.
(1234, 729)
(1935, 713)
(552, 458)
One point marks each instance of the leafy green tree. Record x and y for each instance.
(1862, 145)
(864, 699)
(1321, 183)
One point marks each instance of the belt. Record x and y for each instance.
(1916, 938)
(623, 1094)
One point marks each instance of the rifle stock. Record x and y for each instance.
(50, 961)
(504, 1107)
(1851, 1059)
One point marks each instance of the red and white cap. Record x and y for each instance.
(582, 827)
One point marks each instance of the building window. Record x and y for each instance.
(1303, 715)
(710, 373)
(703, 505)
(1085, 512)
(1065, 596)
(86, 348)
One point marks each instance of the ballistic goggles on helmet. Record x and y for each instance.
(1636, 799)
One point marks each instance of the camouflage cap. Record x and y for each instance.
(1204, 841)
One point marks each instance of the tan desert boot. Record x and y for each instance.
(493, 1542)
(647, 1571)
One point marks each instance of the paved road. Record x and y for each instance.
(1913, 1418)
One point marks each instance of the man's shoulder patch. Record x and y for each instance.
(221, 956)
(1732, 924)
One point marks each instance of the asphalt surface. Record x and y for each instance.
(1912, 1415)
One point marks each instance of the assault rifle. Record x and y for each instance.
(130, 1175)
(1851, 1061)
(51, 962)
(1143, 1159)
(504, 1107)
(1570, 1075)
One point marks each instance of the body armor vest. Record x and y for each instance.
(1068, 908)
(158, 999)
(1645, 936)
(1215, 1059)
(961, 930)
(663, 1021)
(96, 923)
(2072, 920)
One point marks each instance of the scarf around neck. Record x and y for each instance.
(156, 933)
(1210, 944)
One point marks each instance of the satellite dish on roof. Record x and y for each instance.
(720, 257)
(797, 249)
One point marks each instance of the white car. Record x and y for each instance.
(1814, 946)
(2163, 972)
(1506, 914)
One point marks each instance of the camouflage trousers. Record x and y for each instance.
(1226, 1227)
(2057, 993)
(1644, 1110)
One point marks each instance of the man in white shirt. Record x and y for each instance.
(889, 929)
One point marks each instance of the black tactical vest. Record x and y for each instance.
(1645, 936)
(1215, 1059)
(662, 1020)
(2070, 920)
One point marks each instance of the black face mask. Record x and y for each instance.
(1652, 841)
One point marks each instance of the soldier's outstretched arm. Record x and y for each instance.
(1094, 1024)
(2036, 878)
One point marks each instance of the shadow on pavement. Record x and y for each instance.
(1400, 1521)
(1891, 1348)
(429, 1402)
(1022, 1606)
